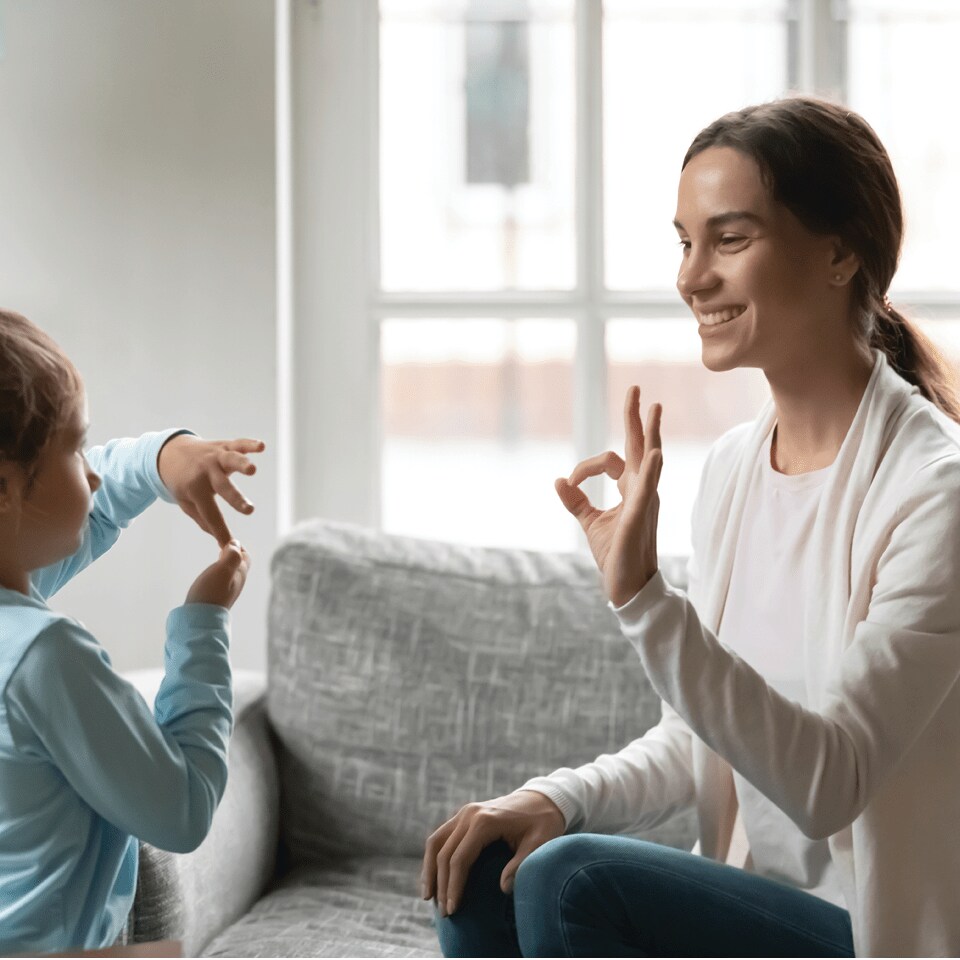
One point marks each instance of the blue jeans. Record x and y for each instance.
(590, 895)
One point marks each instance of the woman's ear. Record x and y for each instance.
(844, 263)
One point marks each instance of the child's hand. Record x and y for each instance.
(194, 470)
(223, 580)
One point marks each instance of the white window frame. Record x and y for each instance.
(329, 298)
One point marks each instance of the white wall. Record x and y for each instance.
(137, 226)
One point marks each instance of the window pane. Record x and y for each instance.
(663, 357)
(477, 144)
(945, 334)
(902, 57)
(670, 67)
(478, 422)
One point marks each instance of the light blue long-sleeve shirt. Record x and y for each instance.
(85, 767)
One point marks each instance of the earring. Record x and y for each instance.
(838, 276)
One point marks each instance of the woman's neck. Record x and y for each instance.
(815, 403)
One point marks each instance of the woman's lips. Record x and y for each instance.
(720, 315)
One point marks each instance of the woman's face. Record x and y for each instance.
(759, 283)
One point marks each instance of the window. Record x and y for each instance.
(520, 260)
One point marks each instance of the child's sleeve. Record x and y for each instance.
(158, 777)
(130, 482)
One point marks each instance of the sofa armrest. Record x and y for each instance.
(192, 897)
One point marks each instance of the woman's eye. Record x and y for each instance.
(731, 239)
(684, 244)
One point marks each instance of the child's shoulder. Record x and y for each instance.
(21, 623)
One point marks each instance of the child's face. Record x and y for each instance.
(54, 516)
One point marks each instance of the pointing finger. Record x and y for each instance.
(216, 525)
(609, 463)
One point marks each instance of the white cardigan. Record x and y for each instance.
(873, 764)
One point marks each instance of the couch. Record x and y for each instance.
(405, 677)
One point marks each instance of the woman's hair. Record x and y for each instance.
(38, 384)
(826, 164)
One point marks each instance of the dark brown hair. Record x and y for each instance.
(827, 165)
(38, 384)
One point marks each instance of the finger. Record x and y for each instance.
(216, 526)
(190, 510)
(635, 505)
(576, 501)
(509, 872)
(443, 864)
(234, 462)
(654, 416)
(233, 552)
(428, 870)
(246, 445)
(609, 463)
(462, 860)
(232, 495)
(633, 429)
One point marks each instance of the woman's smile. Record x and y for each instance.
(708, 322)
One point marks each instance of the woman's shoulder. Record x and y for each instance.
(924, 448)
(728, 448)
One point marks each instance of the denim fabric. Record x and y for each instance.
(598, 895)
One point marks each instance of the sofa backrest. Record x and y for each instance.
(408, 677)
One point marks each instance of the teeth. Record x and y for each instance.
(711, 319)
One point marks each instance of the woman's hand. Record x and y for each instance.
(222, 581)
(193, 470)
(524, 819)
(623, 540)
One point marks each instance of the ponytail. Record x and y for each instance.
(914, 356)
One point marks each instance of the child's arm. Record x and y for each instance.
(195, 471)
(130, 483)
(157, 777)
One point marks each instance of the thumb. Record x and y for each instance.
(573, 498)
(231, 553)
(509, 873)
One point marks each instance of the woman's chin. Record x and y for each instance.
(719, 361)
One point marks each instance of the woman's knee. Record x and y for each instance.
(483, 923)
(549, 866)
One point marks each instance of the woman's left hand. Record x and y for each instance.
(623, 539)
(194, 470)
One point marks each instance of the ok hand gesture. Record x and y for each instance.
(623, 539)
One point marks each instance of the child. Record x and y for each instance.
(85, 769)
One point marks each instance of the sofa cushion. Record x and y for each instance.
(407, 677)
(359, 908)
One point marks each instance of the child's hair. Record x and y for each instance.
(38, 383)
(826, 164)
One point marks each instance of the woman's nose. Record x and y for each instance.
(94, 481)
(696, 274)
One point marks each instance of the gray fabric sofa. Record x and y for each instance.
(405, 678)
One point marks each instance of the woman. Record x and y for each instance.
(808, 675)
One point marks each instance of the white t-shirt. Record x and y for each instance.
(763, 623)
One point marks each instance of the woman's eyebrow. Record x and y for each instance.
(720, 219)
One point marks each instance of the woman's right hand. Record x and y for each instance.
(223, 580)
(524, 819)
